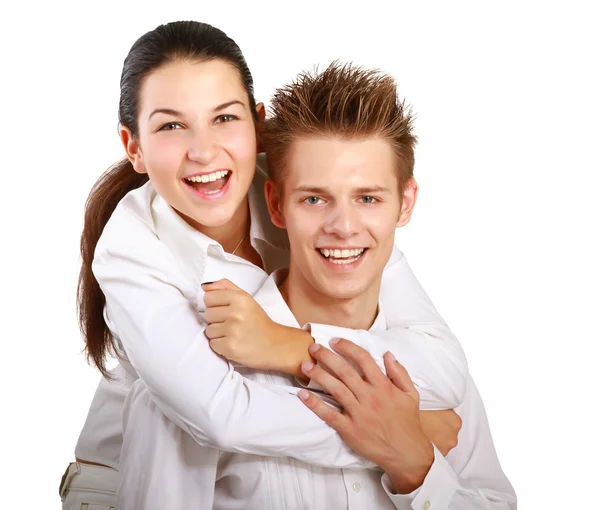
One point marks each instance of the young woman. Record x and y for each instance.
(186, 207)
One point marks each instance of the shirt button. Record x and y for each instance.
(356, 486)
(426, 505)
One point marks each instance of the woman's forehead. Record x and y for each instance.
(182, 85)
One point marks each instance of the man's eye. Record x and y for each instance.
(312, 200)
(368, 200)
(221, 119)
(170, 126)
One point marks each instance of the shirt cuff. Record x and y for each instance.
(436, 493)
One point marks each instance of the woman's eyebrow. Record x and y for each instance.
(227, 105)
(176, 113)
(166, 111)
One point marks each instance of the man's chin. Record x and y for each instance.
(342, 291)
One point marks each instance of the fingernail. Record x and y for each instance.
(334, 341)
(392, 355)
(306, 366)
(314, 347)
(207, 283)
(303, 394)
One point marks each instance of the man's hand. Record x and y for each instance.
(380, 420)
(240, 330)
(442, 428)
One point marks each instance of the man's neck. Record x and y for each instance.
(309, 305)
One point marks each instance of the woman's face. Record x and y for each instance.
(196, 140)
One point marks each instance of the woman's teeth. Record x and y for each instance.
(208, 177)
(342, 256)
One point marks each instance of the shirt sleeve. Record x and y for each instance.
(470, 476)
(163, 339)
(417, 336)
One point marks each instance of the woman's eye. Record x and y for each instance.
(221, 119)
(312, 200)
(170, 126)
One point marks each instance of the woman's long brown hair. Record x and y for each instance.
(108, 191)
(187, 40)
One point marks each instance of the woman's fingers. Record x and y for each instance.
(216, 314)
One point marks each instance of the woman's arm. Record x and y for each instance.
(242, 332)
(163, 339)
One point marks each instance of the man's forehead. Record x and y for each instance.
(364, 162)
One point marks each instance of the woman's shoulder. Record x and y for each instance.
(131, 221)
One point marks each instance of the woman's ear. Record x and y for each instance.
(133, 150)
(260, 123)
(273, 198)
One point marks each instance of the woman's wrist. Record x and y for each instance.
(293, 344)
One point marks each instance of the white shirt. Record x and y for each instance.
(247, 481)
(469, 478)
(150, 264)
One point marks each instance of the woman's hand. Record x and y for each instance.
(442, 428)
(240, 330)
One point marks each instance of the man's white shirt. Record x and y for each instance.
(469, 478)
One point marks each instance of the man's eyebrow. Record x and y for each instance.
(166, 111)
(312, 189)
(227, 105)
(365, 190)
(372, 189)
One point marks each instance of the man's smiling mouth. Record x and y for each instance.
(342, 256)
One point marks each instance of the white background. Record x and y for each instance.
(504, 237)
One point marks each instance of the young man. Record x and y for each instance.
(340, 149)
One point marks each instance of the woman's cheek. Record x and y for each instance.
(168, 155)
(241, 142)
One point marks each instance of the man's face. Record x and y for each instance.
(340, 204)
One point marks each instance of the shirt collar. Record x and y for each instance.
(270, 299)
(379, 324)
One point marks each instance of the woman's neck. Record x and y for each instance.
(233, 233)
(233, 236)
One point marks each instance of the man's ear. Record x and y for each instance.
(273, 198)
(409, 199)
(260, 123)
(133, 150)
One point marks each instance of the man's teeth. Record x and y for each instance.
(208, 177)
(341, 254)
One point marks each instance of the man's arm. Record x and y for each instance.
(416, 335)
(380, 421)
